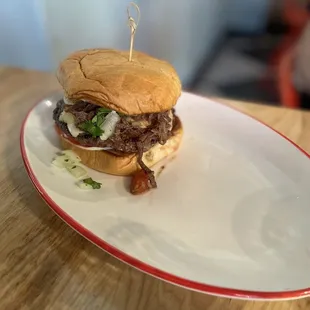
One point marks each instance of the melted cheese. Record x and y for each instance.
(171, 117)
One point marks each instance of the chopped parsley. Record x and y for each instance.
(98, 120)
(92, 183)
(91, 128)
(104, 110)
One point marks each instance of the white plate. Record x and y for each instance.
(231, 216)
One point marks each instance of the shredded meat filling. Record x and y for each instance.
(133, 134)
(147, 170)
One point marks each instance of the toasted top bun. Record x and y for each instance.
(105, 77)
(125, 165)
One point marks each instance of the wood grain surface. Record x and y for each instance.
(44, 264)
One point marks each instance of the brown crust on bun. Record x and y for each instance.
(106, 78)
(107, 162)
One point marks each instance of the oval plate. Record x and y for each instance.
(231, 216)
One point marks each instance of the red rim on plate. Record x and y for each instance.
(163, 275)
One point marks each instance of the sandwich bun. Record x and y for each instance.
(109, 163)
(106, 78)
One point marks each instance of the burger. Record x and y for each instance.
(118, 115)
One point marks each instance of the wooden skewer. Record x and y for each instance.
(132, 25)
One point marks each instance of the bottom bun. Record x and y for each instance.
(107, 162)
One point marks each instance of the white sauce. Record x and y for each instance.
(94, 148)
(67, 101)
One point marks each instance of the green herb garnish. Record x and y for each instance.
(91, 128)
(94, 120)
(98, 119)
(104, 110)
(92, 183)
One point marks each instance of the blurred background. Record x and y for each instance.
(227, 48)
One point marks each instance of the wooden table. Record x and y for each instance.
(44, 264)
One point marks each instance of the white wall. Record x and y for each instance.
(181, 31)
(37, 34)
(22, 35)
(77, 24)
